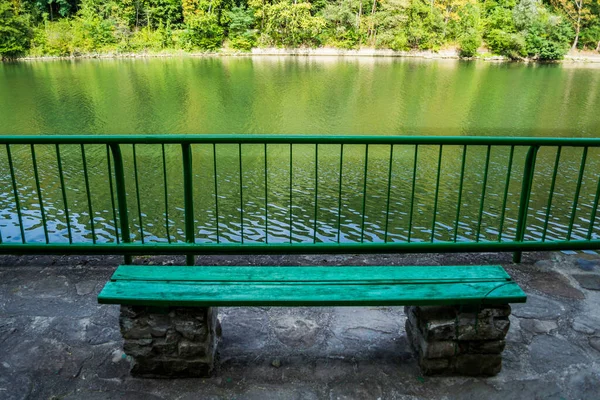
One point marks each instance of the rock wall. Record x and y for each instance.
(170, 342)
(455, 340)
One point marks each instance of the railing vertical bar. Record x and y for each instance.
(39, 193)
(483, 190)
(241, 193)
(15, 192)
(339, 222)
(577, 191)
(437, 193)
(364, 204)
(291, 195)
(412, 195)
(87, 192)
(387, 204)
(594, 211)
(460, 190)
(551, 193)
(61, 177)
(112, 194)
(121, 196)
(316, 191)
(188, 198)
(506, 187)
(166, 188)
(216, 191)
(266, 198)
(137, 193)
(528, 173)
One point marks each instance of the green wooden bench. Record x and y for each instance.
(170, 327)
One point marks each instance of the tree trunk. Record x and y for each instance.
(577, 29)
(359, 15)
(262, 20)
(598, 47)
(372, 29)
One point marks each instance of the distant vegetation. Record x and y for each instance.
(513, 28)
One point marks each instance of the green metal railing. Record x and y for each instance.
(395, 160)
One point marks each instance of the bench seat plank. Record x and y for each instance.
(309, 286)
(312, 274)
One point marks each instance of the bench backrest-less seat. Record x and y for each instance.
(457, 316)
(310, 286)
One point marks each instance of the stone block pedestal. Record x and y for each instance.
(170, 342)
(458, 340)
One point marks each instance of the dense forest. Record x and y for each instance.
(535, 29)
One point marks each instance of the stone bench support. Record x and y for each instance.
(170, 342)
(182, 341)
(457, 340)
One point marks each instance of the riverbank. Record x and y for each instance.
(56, 341)
(575, 57)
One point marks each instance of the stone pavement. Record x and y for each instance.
(56, 342)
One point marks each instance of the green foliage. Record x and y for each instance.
(203, 32)
(342, 22)
(468, 43)
(511, 45)
(391, 21)
(241, 35)
(14, 30)
(288, 24)
(548, 39)
(424, 26)
(590, 37)
(513, 28)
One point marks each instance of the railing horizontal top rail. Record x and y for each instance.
(299, 139)
(293, 248)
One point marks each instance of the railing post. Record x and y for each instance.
(188, 195)
(121, 196)
(528, 172)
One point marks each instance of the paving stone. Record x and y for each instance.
(514, 333)
(245, 329)
(537, 389)
(478, 364)
(113, 394)
(584, 384)
(536, 326)
(13, 385)
(595, 343)
(47, 287)
(538, 307)
(554, 284)
(588, 281)
(85, 287)
(363, 323)
(586, 325)
(296, 331)
(553, 353)
(273, 392)
(587, 265)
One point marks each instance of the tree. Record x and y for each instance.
(202, 21)
(343, 18)
(241, 34)
(14, 30)
(579, 12)
(288, 24)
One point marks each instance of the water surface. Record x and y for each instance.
(297, 95)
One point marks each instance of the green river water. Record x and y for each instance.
(296, 95)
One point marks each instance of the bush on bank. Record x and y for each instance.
(512, 28)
